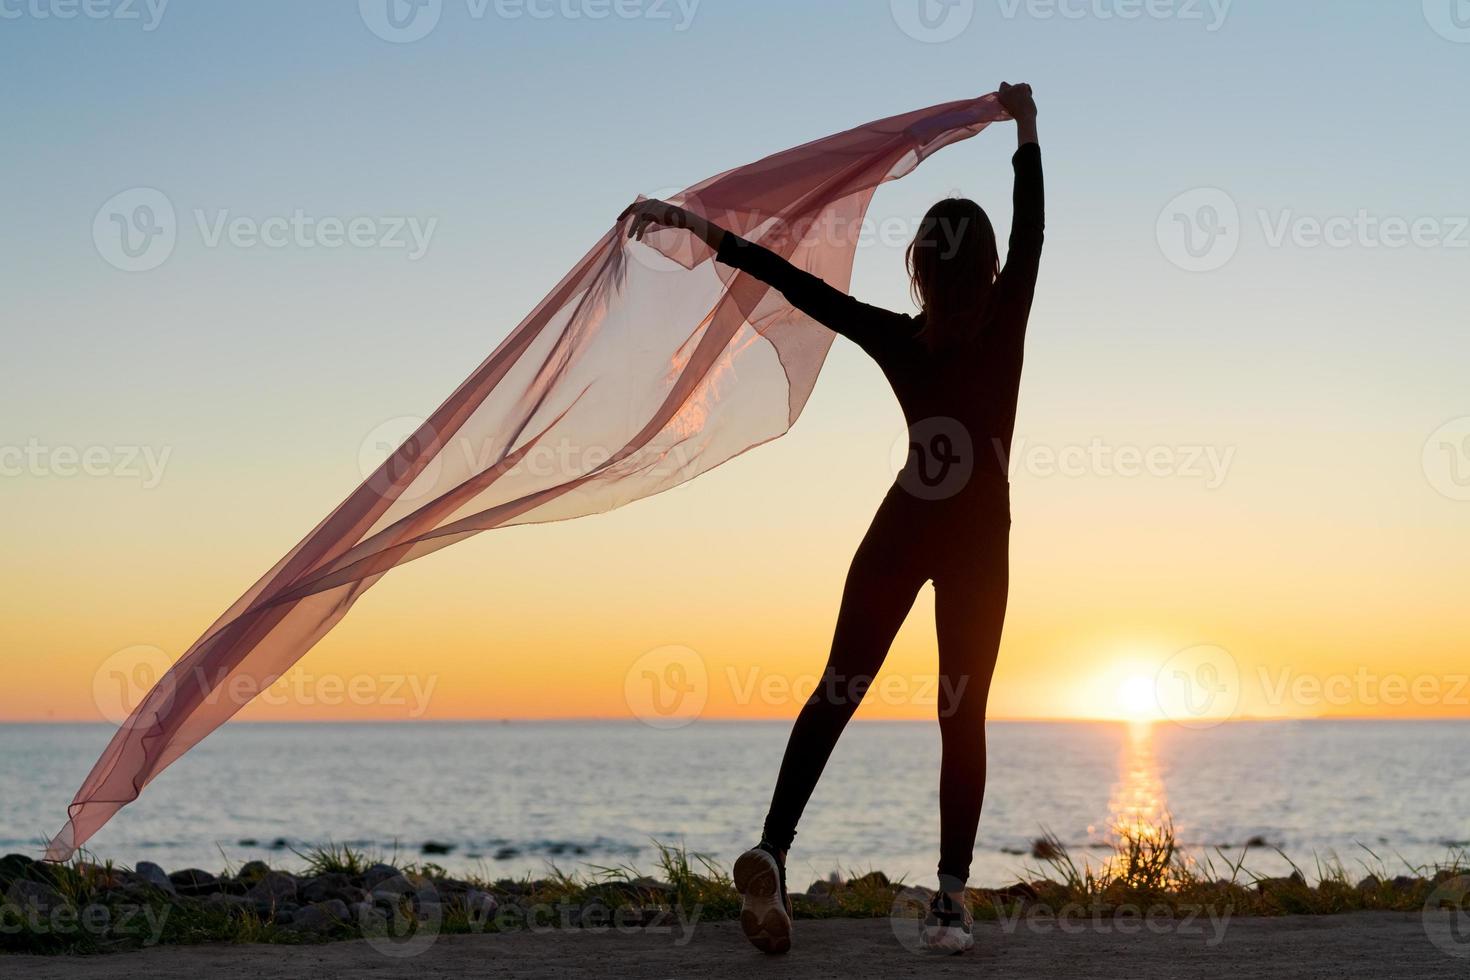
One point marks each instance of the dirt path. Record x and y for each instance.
(1381, 946)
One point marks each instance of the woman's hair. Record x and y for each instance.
(953, 261)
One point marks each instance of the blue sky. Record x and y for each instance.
(520, 137)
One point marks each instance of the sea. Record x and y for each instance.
(516, 799)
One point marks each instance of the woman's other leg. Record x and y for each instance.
(969, 610)
(882, 582)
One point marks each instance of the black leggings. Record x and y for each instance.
(962, 544)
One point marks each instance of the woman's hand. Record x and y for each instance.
(1017, 100)
(652, 212)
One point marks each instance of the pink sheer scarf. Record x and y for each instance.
(648, 364)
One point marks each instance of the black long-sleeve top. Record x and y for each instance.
(975, 382)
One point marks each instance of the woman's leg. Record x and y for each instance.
(882, 582)
(969, 611)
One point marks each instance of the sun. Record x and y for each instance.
(1135, 699)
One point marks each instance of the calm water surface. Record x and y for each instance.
(512, 797)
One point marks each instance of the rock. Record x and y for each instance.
(394, 887)
(155, 876)
(1257, 841)
(232, 903)
(274, 889)
(1370, 884)
(321, 917)
(480, 906)
(1046, 849)
(368, 918)
(1404, 884)
(378, 873)
(1020, 891)
(13, 866)
(192, 881)
(821, 900)
(436, 847)
(325, 887)
(1050, 892)
(253, 872)
(1294, 880)
(34, 896)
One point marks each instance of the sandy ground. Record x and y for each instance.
(1377, 945)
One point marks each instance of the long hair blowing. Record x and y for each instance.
(952, 262)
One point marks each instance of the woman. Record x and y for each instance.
(956, 370)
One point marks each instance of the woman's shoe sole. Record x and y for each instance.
(763, 916)
(947, 940)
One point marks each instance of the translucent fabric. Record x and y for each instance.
(648, 364)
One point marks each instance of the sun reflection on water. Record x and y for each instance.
(1138, 808)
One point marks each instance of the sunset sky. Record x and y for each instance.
(1301, 537)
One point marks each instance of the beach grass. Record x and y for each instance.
(339, 892)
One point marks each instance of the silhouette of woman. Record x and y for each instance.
(956, 370)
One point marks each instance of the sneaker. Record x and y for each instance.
(765, 916)
(949, 927)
